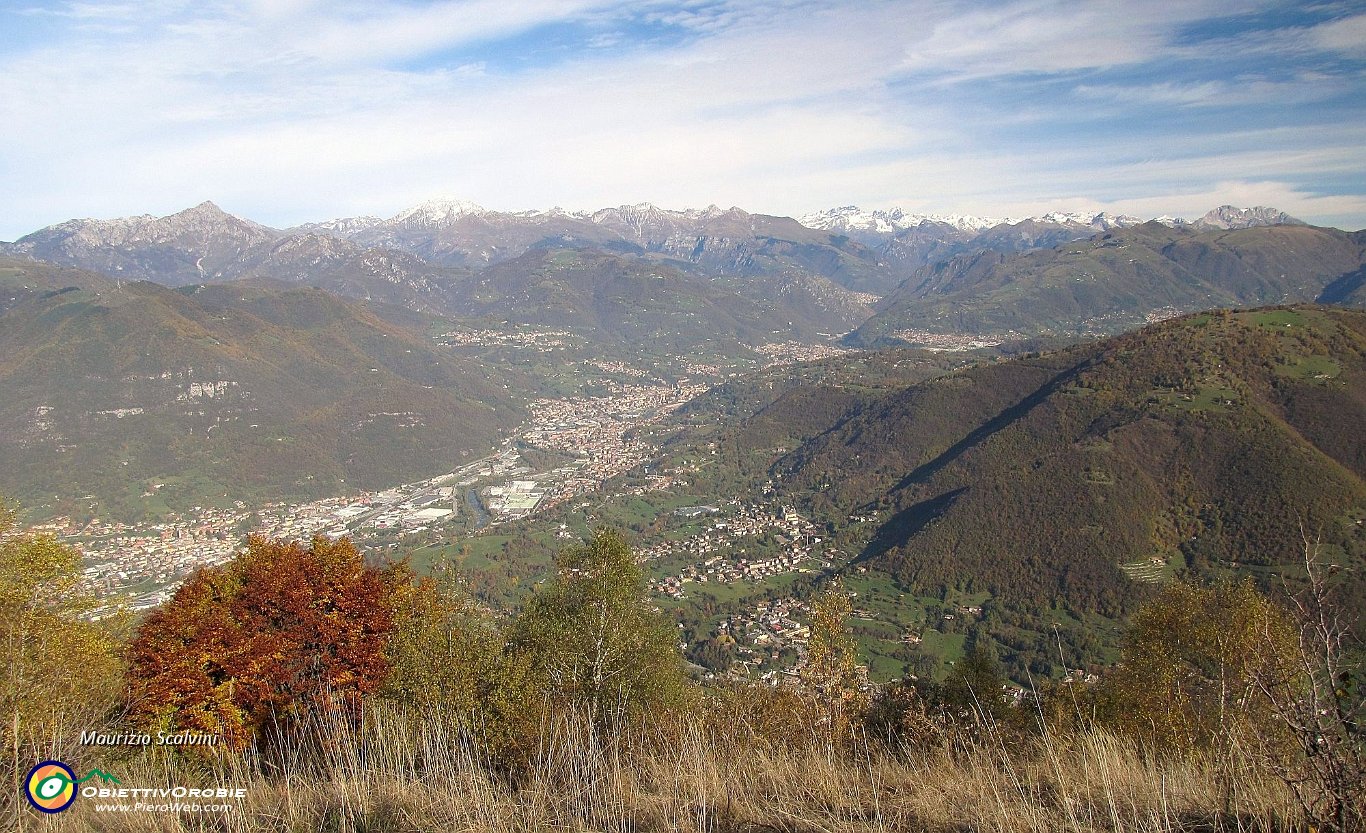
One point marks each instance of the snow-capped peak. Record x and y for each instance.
(436, 212)
(886, 221)
(892, 220)
(1102, 220)
(1231, 217)
(340, 227)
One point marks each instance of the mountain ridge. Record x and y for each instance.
(1120, 279)
(457, 232)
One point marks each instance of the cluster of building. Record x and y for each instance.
(693, 370)
(790, 352)
(618, 368)
(762, 632)
(139, 566)
(404, 510)
(950, 342)
(517, 499)
(542, 340)
(716, 558)
(1161, 314)
(599, 430)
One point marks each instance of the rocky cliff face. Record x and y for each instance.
(194, 245)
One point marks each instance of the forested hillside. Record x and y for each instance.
(1062, 488)
(199, 394)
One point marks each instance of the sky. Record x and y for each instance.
(287, 111)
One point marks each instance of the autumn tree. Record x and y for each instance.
(447, 663)
(831, 657)
(973, 686)
(281, 631)
(829, 678)
(444, 649)
(1190, 670)
(590, 636)
(57, 669)
(1317, 694)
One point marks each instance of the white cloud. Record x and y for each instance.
(1347, 35)
(385, 33)
(289, 111)
(86, 11)
(1040, 36)
(1240, 92)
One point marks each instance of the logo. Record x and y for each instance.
(51, 785)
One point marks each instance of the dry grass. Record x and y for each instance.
(400, 774)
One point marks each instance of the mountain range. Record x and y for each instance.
(446, 258)
(151, 363)
(204, 243)
(410, 256)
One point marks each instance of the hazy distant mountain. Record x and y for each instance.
(712, 241)
(419, 256)
(1119, 279)
(851, 219)
(354, 271)
(191, 246)
(1228, 217)
(914, 241)
(207, 244)
(613, 298)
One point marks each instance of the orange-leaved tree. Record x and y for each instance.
(283, 630)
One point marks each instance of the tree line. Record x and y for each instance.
(289, 632)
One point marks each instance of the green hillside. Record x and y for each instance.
(145, 396)
(1054, 491)
(22, 278)
(1069, 481)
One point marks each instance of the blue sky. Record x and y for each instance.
(296, 110)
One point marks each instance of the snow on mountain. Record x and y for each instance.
(642, 220)
(892, 220)
(203, 224)
(889, 221)
(867, 248)
(340, 227)
(438, 212)
(1230, 217)
(1102, 221)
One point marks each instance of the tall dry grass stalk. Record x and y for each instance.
(399, 772)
